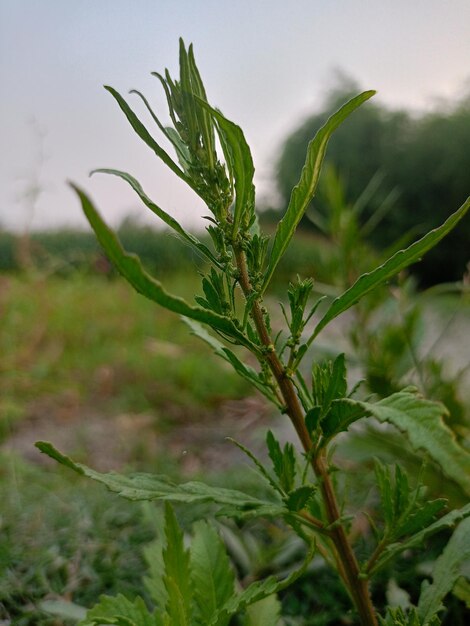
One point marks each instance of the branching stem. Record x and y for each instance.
(347, 564)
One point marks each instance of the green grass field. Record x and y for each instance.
(117, 382)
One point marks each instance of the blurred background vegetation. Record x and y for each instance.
(94, 367)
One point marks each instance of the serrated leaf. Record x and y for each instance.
(337, 384)
(283, 461)
(342, 413)
(447, 521)
(153, 581)
(446, 571)
(387, 270)
(422, 517)
(264, 612)
(312, 419)
(120, 611)
(384, 483)
(300, 497)
(156, 487)
(403, 510)
(422, 421)
(304, 191)
(176, 575)
(149, 140)
(130, 267)
(163, 215)
(243, 169)
(212, 576)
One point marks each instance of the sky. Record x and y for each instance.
(266, 64)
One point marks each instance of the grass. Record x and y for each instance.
(90, 341)
(87, 350)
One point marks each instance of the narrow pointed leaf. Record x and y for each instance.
(156, 487)
(304, 191)
(390, 268)
(261, 469)
(447, 570)
(163, 215)
(148, 139)
(177, 572)
(244, 370)
(130, 267)
(243, 168)
(170, 133)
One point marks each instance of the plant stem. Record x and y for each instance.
(347, 564)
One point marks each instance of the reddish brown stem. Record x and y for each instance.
(347, 564)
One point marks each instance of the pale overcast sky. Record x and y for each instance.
(266, 64)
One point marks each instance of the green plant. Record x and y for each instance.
(302, 489)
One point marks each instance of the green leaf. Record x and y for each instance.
(130, 267)
(212, 576)
(283, 461)
(447, 521)
(259, 590)
(181, 149)
(245, 371)
(300, 497)
(157, 487)
(447, 569)
(163, 215)
(154, 584)
(304, 191)
(404, 510)
(243, 169)
(264, 612)
(390, 268)
(205, 121)
(422, 421)
(120, 611)
(149, 140)
(337, 385)
(176, 576)
(261, 469)
(341, 415)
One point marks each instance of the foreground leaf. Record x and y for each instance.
(447, 570)
(304, 191)
(130, 267)
(149, 140)
(212, 574)
(176, 576)
(156, 487)
(390, 268)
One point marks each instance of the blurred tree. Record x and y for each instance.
(425, 158)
